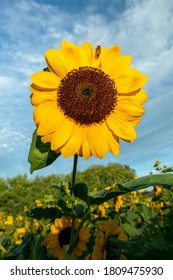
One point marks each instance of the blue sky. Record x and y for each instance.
(141, 28)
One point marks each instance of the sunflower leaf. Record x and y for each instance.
(40, 154)
(165, 180)
(81, 191)
(100, 197)
(44, 213)
(105, 195)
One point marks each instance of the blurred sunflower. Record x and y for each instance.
(157, 190)
(87, 100)
(118, 202)
(59, 236)
(104, 231)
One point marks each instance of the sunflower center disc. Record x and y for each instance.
(64, 236)
(87, 95)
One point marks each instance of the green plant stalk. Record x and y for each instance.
(75, 161)
(75, 236)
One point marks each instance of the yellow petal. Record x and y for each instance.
(47, 80)
(141, 96)
(110, 56)
(43, 110)
(50, 123)
(57, 62)
(89, 51)
(132, 80)
(62, 134)
(74, 143)
(121, 127)
(118, 67)
(75, 56)
(97, 139)
(80, 246)
(47, 138)
(39, 97)
(113, 144)
(54, 229)
(129, 109)
(85, 146)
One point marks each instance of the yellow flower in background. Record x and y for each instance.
(18, 241)
(21, 230)
(157, 190)
(36, 224)
(25, 209)
(38, 203)
(59, 236)
(19, 218)
(9, 220)
(142, 190)
(156, 164)
(102, 209)
(118, 202)
(104, 231)
(88, 100)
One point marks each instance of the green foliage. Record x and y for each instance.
(144, 218)
(99, 177)
(20, 191)
(40, 154)
(151, 180)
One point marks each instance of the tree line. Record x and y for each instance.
(20, 191)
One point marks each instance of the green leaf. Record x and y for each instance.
(131, 230)
(168, 169)
(81, 191)
(40, 154)
(146, 212)
(129, 245)
(46, 213)
(150, 180)
(80, 210)
(105, 195)
(2, 238)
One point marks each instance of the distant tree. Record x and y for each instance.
(19, 191)
(99, 176)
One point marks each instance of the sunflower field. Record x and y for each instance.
(131, 221)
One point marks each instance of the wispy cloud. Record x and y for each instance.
(141, 28)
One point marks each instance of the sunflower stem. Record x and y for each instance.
(74, 173)
(70, 249)
(75, 161)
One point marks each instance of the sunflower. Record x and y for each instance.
(87, 100)
(59, 236)
(104, 231)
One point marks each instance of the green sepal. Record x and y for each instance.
(46, 69)
(40, 154)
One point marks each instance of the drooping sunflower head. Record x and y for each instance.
(88, 100)
(59, 236)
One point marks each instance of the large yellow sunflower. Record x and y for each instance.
(88, 100)
(59, 235)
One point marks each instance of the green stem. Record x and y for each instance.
(74, 173)
(75, 236)
(72, 194)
